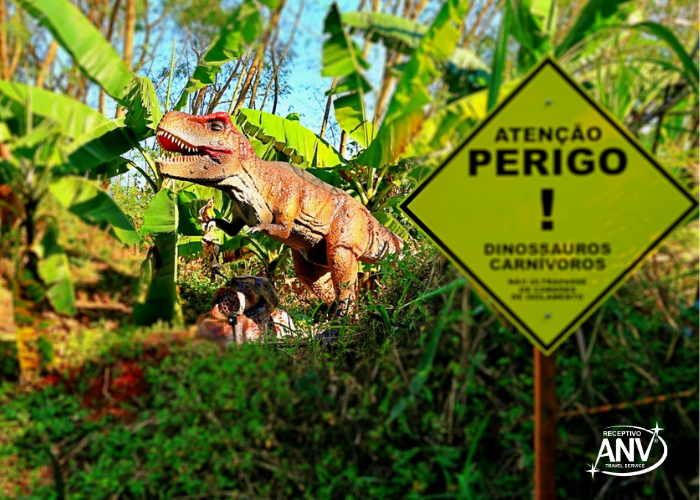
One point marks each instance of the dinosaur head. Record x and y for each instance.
(203, 145)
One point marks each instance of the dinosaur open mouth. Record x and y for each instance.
(178, 150)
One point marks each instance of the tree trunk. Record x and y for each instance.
(275, 69)
(277, 94)
(16, 57)
(254, 91)
(47, 64)
(129, 29)
(108, 36)
(343, 143)
(261, 68)
(198, 101)
(327, 113)
(244, 71)
(387, 82)
(477, 23)
(146, 37)
(4, 61)
(219, 94)
(417, 9)
(277, 65)
(259, 54)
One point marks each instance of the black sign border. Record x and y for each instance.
(597, 302)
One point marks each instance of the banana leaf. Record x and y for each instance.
(92, 204)
(142, 107)
(342, 59)
(299, 144)
(161, 214)
(404, 35)
(74, 117)
(534, 23)
(55, 273)
(404, 116)
(162, 301)
(392, 224)
(98, 147)
(94, 55)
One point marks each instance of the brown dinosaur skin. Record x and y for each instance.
(329, 231)
(11, 208)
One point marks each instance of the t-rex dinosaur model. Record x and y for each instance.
(328, 230)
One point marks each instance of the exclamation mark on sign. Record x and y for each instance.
(547, 200)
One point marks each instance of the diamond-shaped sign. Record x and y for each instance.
(549, 206)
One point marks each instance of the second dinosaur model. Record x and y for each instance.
(328, 230)
(244, 310)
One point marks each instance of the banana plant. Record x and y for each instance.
(34, 165)
(378, 170)
(94, 145)
(57, 147)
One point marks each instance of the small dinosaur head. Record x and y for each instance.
(203, 145)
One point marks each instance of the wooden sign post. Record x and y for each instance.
(545, 426)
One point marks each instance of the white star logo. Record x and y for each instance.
(656, 432)
(592, 470)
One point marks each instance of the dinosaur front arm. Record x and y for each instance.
(281, 228)
(231, 228)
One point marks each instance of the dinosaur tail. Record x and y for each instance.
(382, 242)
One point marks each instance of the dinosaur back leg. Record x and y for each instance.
(314, 277)
(345, 241)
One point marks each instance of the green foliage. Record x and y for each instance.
(99, 148)
(428, 397)
(593, 21)
(499, 57)
(452, 123)
(159, 271)
(534, 24)
(161, 301)
(87, 47)
(690, 69)
(132, 197)
(143, 110)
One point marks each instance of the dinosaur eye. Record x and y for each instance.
(216, 126)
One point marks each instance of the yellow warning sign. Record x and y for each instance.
(549, 206)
